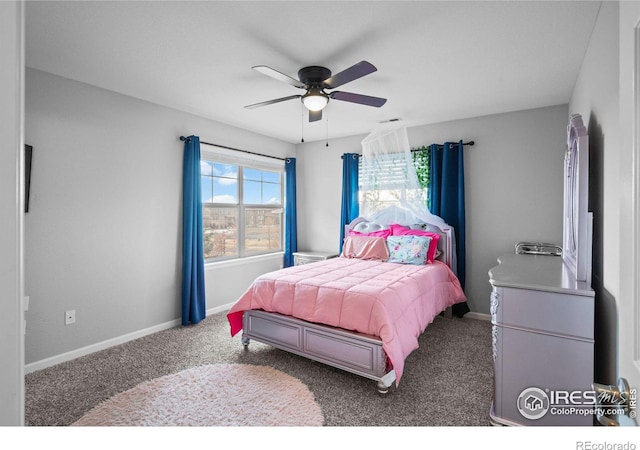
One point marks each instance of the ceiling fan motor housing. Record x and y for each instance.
(313, 75)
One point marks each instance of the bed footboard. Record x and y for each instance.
(350, 351)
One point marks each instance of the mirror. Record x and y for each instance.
(578, 221)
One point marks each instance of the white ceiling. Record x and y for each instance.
(437, 61)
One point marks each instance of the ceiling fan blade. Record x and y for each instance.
(314, 116)
(352, 73)
(358, 98)
(268, 71)
(271, 102)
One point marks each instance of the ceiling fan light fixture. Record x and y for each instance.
(315, 79)
(315, 100)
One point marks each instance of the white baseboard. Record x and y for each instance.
(479, 316)
(218, 309)
(68, 356)
(73, 354)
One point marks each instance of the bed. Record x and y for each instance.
(363, 311)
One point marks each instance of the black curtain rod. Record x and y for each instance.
(182, 138)
(356, 155)
(471, 143)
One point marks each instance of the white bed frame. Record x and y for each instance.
(353, 352)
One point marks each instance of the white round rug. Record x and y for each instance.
(212, 395)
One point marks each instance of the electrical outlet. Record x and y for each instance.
(70, 317)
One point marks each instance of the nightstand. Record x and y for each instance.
(300, 258)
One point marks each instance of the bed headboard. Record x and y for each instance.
(446, 243)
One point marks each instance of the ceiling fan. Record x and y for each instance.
(315, 79)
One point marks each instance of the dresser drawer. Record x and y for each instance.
(547, 312)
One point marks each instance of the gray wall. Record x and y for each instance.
(513, 186)
(319, 192)
(596, 98)
(103, 233)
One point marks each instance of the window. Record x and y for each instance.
(242, 207)
(385, 183)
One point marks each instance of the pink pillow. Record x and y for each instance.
(400, 230)
(365, 247)
(380, 233)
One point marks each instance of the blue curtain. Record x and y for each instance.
(290, 214)
(446, 199)
(350, 206)
(193, 293)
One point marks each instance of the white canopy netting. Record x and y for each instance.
(389, 187)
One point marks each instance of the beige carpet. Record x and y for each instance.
(212, 395)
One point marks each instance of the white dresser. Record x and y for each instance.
(543, 342)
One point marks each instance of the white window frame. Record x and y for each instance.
(221, 155)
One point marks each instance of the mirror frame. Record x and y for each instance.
(578, 221)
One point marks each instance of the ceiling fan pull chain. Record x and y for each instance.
(327, 120)
(302, 123)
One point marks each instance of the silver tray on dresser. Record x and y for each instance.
(538, 248)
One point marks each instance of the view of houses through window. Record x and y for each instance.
(242, 209)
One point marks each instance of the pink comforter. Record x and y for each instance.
(395, 302)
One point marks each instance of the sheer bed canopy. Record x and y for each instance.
(390, 190)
